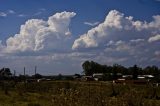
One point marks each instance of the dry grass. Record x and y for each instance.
(73, 93)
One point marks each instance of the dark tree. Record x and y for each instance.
(37, 76)
(153, 70)
(59, 77)
(77, 75)
(5, 73)
(114, 70)
(117, 70)
(87, 68)
(134, 70)
(92, 67)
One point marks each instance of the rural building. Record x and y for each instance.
(87, 78)
(98, 76)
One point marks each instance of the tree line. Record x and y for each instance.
(91, 67)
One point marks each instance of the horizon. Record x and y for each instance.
(33, 72)
(58, 36)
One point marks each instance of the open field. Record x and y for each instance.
(74, 93)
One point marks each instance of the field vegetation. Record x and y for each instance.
(58, 90)
(77, 93)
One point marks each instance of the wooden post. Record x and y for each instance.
(14, 73)
(35, 70)
(24, 71)
(24, 75)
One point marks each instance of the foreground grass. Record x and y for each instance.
(73, 93)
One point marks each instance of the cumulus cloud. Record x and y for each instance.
(128, 48)
(91, 24)
(36, 34)
(119, 39)
(117, 46)
(154, 38)
(117, 27)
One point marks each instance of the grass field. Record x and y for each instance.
(74, 93)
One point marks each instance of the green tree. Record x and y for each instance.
(92, 67)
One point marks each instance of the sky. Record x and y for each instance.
(57, 36)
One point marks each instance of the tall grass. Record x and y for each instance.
(74, 93)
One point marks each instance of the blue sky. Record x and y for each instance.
(85, 21)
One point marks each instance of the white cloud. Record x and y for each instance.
(91, 24)
(38, 13)
(37, 34)
(22, 15)
(137, 40)
(1, 46)
(119, 46)
(117, 27)
(60, 21)
(99, 34)
(2, 14)
(154, 38)
(132, 47)
(47, 43)
(11, 12)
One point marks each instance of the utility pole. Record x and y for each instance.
(24, 75)
(35, 70)
(24, 71)
(14, 73)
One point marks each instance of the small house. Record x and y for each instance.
(98, 76)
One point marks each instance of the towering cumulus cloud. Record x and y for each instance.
(118, 27)
(37, 34)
